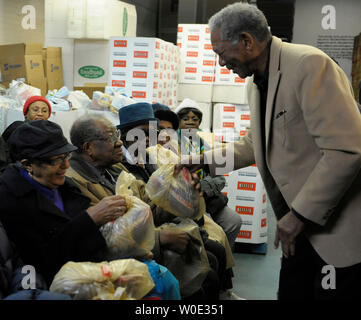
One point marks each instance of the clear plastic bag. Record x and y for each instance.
(162, 156)
(21, 91)
(133, 234)
(175, 194)
(126, 279)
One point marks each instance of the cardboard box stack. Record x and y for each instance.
(228, 87)
(247, 196)
(100, 19)
(41, 68)
(146, 69)
(244, 187)
(230, 121)
(197, 67)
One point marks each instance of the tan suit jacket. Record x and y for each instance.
(312, 159)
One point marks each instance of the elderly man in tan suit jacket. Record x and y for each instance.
(305, 138)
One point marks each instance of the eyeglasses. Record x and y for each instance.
(112, 137)
(57, 161)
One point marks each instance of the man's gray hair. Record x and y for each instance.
(237, 18)
(85, 129)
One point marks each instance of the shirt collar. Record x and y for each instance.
(46, 191)
(262, 81)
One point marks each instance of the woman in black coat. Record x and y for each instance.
(43, 212)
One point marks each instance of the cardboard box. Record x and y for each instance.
(41, 68)
(89, 88)
(197, 57)
(196, 92)
(54, 68)
(247, 196)
(34, 66)
(230, 121)
(12, 63)
(145, 68)
(91, 61)
(101, 19)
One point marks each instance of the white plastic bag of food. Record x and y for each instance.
(21, 91)
(126, 279)
(133, 234)
(175, 194)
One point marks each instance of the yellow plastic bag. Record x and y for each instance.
(174, 194)
(162, 156)
(133, 234)
(126, 279)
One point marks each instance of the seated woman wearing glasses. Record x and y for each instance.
(43, 212)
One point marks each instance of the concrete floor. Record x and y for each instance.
(256, 275)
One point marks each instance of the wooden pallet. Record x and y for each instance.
(256, 248)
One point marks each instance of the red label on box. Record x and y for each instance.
(119, 63)
(225, 71)
(263, 222)
(156, 65)
(208, 46)
(140, 74)
(180, 29)
(245, 234)
(209, 63)
(228, 124)
(191, 70)
(155, 85)
(140, 54)
(243, 133)
(239, 80)
(245, 117)
(229, 108)
(207, 30)
(193, 38)
(118, 83)
(120, 43)
(157, 45)
(245, 210)
(192, 54)
(264, 198)
(179, 44)
(248, 186)
(139, 94)
(207, 79)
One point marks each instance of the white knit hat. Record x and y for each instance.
(188, 103)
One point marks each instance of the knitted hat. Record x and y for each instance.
(32, 99)
(189, 105)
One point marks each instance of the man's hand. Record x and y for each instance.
(174, 240)
(192, 163)
(108, 209)
(287, 230)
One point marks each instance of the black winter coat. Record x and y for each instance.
(45, 236)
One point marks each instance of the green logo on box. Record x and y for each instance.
(91, 72)
(125, 21)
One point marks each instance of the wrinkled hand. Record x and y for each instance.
(174, 240)
(287, 230)
(195, 179)
(108, 209)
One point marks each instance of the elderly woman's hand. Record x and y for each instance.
(108, 209)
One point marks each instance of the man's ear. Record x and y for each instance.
(87, 148)
(247, 40)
